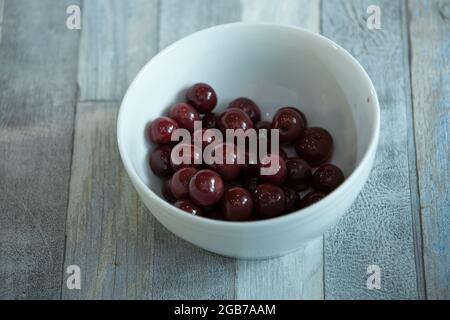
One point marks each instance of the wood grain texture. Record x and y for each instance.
(304, 13)
(430, 74)
(117, 39)
(300, 274)
(182, 271)
(378, 229)
(38, 59)
(296, 276)
(2, 5)
(109, 231)
(178, 19)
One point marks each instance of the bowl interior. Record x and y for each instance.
(275, 66)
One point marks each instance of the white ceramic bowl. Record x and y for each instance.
(276, 66)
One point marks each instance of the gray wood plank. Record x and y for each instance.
(181, 18)
(304, 13)
(116, 41)
(2, 5)
(38, 59)
(182, 271)
(109, 231)
(430, 74)
(298, 275)
(378, 229)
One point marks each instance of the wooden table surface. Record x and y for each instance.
(65, 198)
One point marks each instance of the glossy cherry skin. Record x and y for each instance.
(229, 169)
(251, 183)
(269, 201)
(160, 161)
(202, 97)
(189, 207)
(202, 139)
(234, 118)
(311, 198)
(167, 191)
(305, 120)
(209, 120)
(263, 125)
(279, 173)
(292, 202)
(289, 123)
(177, 155)
(185, 115)
(249, 107)
(237, 204)
(180, 182)
(299, 174)
(281, 153)
(315, 146)
(206, 188)
(327, 178)
(161, 130)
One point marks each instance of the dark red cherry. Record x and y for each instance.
(311, 198)
(292, 200)
(161, 130)
(185, 115)
(249, 107)
(180, 159)
(209, 121)
(315, 146)
(167, 191)
(229, 168)
(180, 182)
(237, 204)
(272, 169)
(327, 178)
(160, 161)
(206, 188)
(289, 123)
(269, 201)
(203, 138)
(189, 207)
(281, 153)
(234, 118)
(299, 174)
(251, 183)
(264, 125)
(301, 114)
(202, 97)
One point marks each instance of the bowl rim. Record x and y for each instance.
(306, 213)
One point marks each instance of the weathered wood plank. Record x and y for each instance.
(430, 74)
(2, 5)
(303, 13)
(116, 41)
(378, 229)
(182, 271)
(38, 59)
(298, 275)
(109, 232)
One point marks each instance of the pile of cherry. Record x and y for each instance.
(237, 192)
